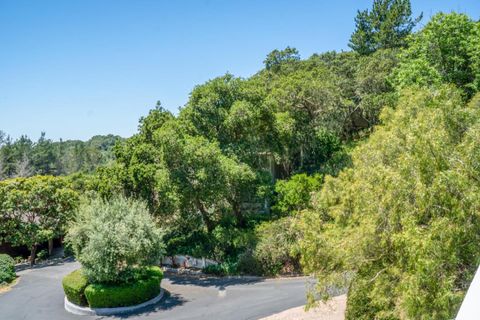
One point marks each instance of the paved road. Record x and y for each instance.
(39, 296)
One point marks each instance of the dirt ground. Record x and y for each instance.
(332, 310)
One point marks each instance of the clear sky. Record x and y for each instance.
(79, 68)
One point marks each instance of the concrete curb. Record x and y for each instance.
(86, 311)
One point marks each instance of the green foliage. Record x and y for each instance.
(139, 290)
(293, 195)
(276, 58)
(276, 251)
(227, 268)
(34, 210)
(385, 26)
(113, 239)
(401, 224)
(25, 158)
(42, 254)
(446, 50)
(7, 269)
(248, 264)
(379, 209)
(74, 285)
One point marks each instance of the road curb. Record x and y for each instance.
(86, 311)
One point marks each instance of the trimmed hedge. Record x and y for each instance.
(74, 285)
(122, 295)
(145, 287)
(7, 269)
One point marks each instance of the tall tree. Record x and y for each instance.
(386, 26)
(276, 58)
(446, 50)
(7, 153)
(43, 156)
(401, 225)
(34, 210)
(23, 167)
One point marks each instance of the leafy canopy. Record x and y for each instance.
(34, 210)
(401, 226)
(386, 26)
(114, 240)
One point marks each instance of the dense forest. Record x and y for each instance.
(359, 167)
(24, 158)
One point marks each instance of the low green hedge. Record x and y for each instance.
(152, 272)
(7, 269)
(74, 285)
(144, 288)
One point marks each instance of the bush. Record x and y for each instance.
(42, 255)
(114, 240)
(222, 269)
(139, 290)
(74, 285)
(7, 269)
(276, 250)
(248, 264)
(294, 194)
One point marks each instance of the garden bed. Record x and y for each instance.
(82, 297)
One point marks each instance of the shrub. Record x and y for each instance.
(223, 269)
(294, 194)
(74, 285)
(248, 264)
(7, 269)
(42, 255)
(139, 290)
(276, 250)
(113, 240)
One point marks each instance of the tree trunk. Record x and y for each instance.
(208, 222)
(50, 247)
(238, 214)
(33, 253)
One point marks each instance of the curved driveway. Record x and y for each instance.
(39, 296)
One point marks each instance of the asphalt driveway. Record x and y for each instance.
(39, 295)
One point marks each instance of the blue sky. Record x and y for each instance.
(79, 68)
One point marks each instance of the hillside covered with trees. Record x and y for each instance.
(24, 158)
(361, 168)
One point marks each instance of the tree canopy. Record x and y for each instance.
(385, 26)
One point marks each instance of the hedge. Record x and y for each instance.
(74, 285)
(7, 269)
(121, 295)
(145, 287)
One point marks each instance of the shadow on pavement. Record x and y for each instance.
(206, 281)
(169, 301)
(48, 263)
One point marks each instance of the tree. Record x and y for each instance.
(23, 167)
(386, 26)
(446, 50)
(43, 157)
(34, 210)
(7, 153)
(400, 226)
(277, 58)
(2, 137)
(207, 182)
(115, 239)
